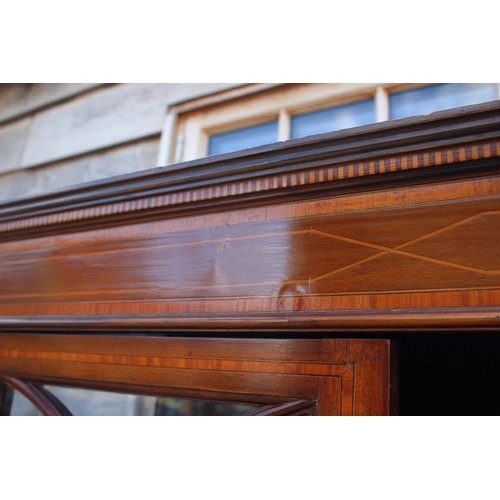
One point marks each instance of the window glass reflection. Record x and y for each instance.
(244, 138)
(437, 97)
(85, 402)
(23, 407)
(184, 407)
(327, 120)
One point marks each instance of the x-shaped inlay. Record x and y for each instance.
(399, 249)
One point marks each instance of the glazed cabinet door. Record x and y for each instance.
(194, 376)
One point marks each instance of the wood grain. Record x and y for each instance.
(426, 257)
(452, 137)
(242, 369)
(282, 237)
(275, 183)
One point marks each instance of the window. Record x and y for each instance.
(316, 122)
(327, 120)
(437, 97)
(257, 114)
(243, 138)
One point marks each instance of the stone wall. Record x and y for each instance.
(57, 135)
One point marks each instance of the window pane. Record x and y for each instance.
(327, 120)
(444, 96)
(86, 402)
(185, 407)
(23, 407)
(244, 138)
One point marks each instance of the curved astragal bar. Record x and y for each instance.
(43, 399)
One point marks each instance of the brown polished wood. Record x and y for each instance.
(388, 227)
(391, 226)
(335, 376)
(416, 144)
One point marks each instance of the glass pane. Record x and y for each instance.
(327, 120)
(243, 138)
(180, 407)
(85, 402)
(443, 96)
(23, 407)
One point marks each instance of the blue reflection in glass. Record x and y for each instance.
(443, 96)
(327, 120)
(243, 138)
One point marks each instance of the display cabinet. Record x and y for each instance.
(290, 253)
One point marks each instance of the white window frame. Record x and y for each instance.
(189, 125)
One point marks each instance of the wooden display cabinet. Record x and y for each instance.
(391, 227)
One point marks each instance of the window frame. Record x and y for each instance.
(189, 125)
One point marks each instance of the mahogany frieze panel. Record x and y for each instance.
(409, 252)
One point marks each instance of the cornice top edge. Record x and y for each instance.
(371, 149)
